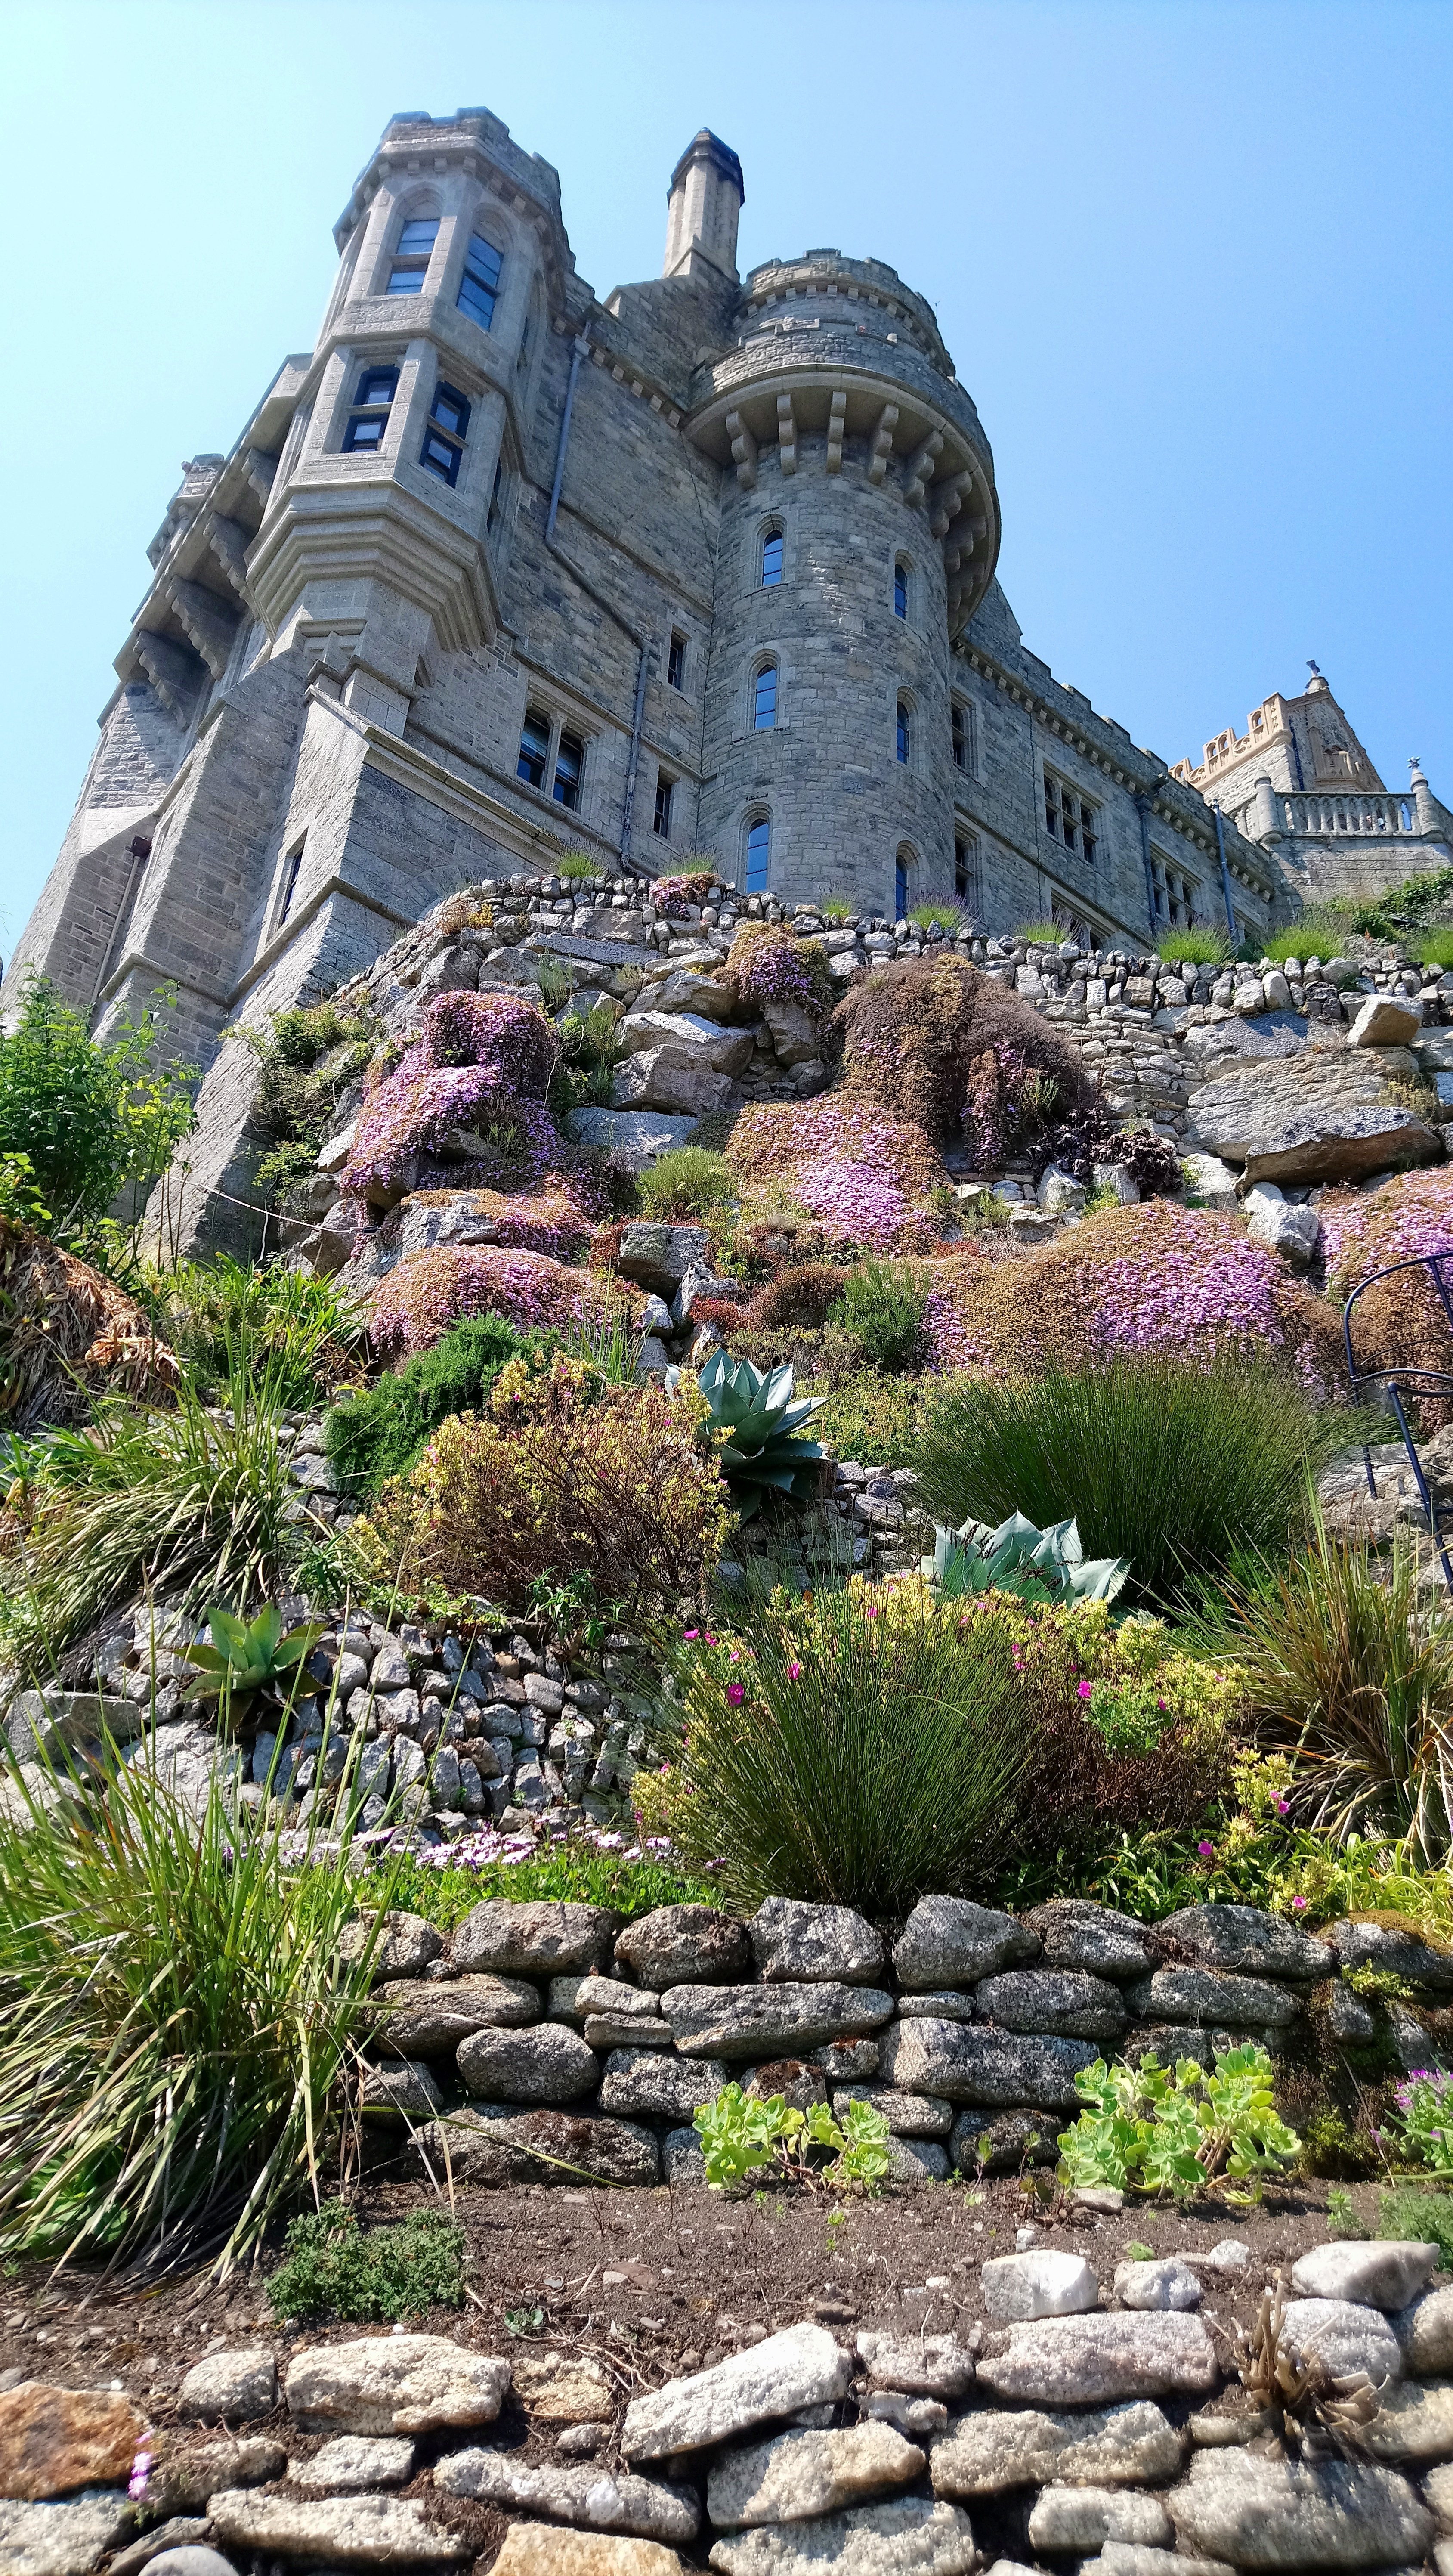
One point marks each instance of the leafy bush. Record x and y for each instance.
(381, 1430)
(1347, 1661)
(1199, 947)
(1173, 1467)
(184, 1500)
(685, 1183)
(1150, 2129)
(882, 1308)
(562, 1474)
(1409, 2216)
(332, 2267)
(178, 2023)
(757, 1431)
(1425, 2107)
(308, 1059)
(876, 1420)
(92, 1120)
(297, 1327)
(916, 1037)
(1140, 1280)
(1406, 906)
(740, 2134)
(804, 1293)
(840, 1755)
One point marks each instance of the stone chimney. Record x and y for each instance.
(703, 208)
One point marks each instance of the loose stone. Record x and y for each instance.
(948, 1941)
(801, 2474)
(801, 2367)
(1425, 2331)
(645, 2507)
(344, 2531)
(1376, 2276)
(547, 2064)
(1065, 2518)
(53, 2440)
(990, 2450)
(1345, 2336)
(1082, 2361)
(917, 2365)
(1038, 2284)
(794, 1942)
(910, 2537)
(394, 2384)
(352, 2464)
(1168, 2284)
(62, 2539)
(419, 2017)
(770, 2021)
(1291, 2514)
(532, 1940)
(561, 2387)
(1413, 2423)
(232, 2386)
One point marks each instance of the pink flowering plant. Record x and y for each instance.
(415, 1304)
(767, 964)
(864, 1175)
(1425, 2109)
(483, 1064)
(674, 896)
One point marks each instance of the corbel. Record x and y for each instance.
(744, 450)
(922, 466)
(260, 472)
(786, 434)
(946, 500)
(880, 445)
(836, 424)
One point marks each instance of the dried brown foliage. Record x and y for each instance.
(911, 1032)
(802, 1295)
(67, 1335)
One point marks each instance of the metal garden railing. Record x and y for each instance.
(1404, 1379)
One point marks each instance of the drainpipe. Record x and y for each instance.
(642, 643)
(1142, 808)
(1225, 874)
(139, 853)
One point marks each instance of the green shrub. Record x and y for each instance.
(882, 1306)
(1347, 1662)
(590, 1050)
(91, 1120)
(687, 1182)
(307, 1060)
(1172, 1466)
(1409, 2216)
(1433, 948)
(804, 1294)
(178, 2023)
(578, 868)
(943, 916)
(182, 1500)
(1198, 947)
(836, 907)
(838, 1754)
(1040, 934)
(583, 1870)
(554, 983)
(1155, 2129)
(379, 1433)
(874, 1419)
(332, 2267)
(1406, 906)
(297, 1327)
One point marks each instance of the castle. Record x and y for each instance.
(499, 571)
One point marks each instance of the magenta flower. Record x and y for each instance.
(736, 1693)
(1086, 1690)
(1299, 1905)
(794, 1672)
(140, 2472)
(1205, 1850)
(690, 1635)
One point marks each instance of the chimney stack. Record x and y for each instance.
(703, 207)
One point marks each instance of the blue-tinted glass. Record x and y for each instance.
(900, 591)
(569, 760)
(439, 456)
(903, 737)
(418, 238)
(759, 844)
(365, 431)
(405, 281)
(534, 750)
(378, 385)
(764, 712)
(450, 410)
(772, 560)
(900, 891)
(476, 301)
(484, 259)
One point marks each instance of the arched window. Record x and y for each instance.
(771, 558)
(900, 589)
(902, 882)
(410, 263)
(905, 732)
(759, 854)
(764, 698)
(479, 286)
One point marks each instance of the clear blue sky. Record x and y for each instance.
(1193, 261)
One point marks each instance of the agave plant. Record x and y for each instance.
(757, 1430)
(1040, 1565)
(246, 1654)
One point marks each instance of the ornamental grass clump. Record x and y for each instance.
(180, 2020)
(1177, 1468)
(867, 1177)
(915, 1039)
(1134, 1281)
(564, 1476)
(415, 1304)
(687, 1182)
(839, 1755)
(483, 1064)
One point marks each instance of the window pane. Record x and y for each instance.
(772, 560)
(378, 385)
(419, 237)
(450, 410)
(676, 662)
(569, 761)
(365, 431)
(900, 591)
(662, 819)
(534, 750)
(960, 745)
(900, 890)
(484, 259)
(764, 705)
(405, 281)
(476, 300)
(439, 456)
(759, 846)
(903, 734)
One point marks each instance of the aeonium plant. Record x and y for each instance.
(246, 1655)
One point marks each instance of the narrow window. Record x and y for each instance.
(905, 733)
(764, 698)
(411, 259)
(1069, 818)
(900, 888)
(771, 559)
(759, 851)
(479, 286)
(290, 879)
(444, 434)
(900, 590)
(959, 735)
(569, 762)
(494, 493)
(676, 662)
(368, 418)
(966, 874)
(661, 819)
(534, 757)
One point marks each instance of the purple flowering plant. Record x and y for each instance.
(483, 1061)
(1425, 2107)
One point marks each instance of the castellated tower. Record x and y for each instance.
(500, 570)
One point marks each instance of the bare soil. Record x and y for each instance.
(653, 2283)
